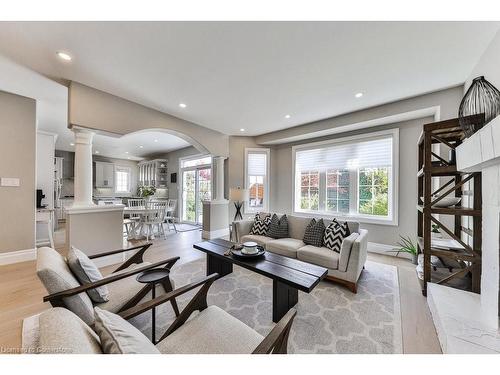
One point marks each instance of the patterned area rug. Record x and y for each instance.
(329, 320)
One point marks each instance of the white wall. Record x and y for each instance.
(489, 67)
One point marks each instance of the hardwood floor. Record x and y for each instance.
(21, 293)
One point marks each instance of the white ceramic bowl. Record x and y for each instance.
(445, 202)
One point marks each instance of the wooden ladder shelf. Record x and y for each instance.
(431, 165)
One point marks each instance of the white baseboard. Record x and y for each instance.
(17, 256)
(380, 248)
(208, 235)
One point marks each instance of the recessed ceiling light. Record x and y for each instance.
(182, 105)
(64, 56)
(359, 95)
(242, 130)
(287, 116)
(141, 146)
(129, 157)
(156, 140)
(71, 144)
(96, 152)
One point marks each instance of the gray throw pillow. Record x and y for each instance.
(119, 336)
(314, 233)
(278, 228)
(86, 272)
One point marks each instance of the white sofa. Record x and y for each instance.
(344, 267)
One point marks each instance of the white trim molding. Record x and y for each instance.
(380, 248)
(17, 256)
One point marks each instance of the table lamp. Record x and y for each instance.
(238, 196)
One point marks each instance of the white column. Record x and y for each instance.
(218, 162)
(83, 168)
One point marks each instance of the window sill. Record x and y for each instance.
(359, 218)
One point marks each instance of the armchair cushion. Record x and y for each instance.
(53, 271)
(119, 336)
(212, 331)
(86, 272)
(345, 251)
(120, 292)
(322, 256)
(62, 332)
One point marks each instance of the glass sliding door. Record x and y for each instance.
(196, 187)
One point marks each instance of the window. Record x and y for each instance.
(187, 163)
(354, 177)
(122, 179)
(257, 179)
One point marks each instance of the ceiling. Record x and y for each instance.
(249, 75)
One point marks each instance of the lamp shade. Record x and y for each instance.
(238, 194)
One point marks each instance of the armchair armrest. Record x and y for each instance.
(277, 340)
(138, 256)
(198, 302)
(242, 228)
(107, 280)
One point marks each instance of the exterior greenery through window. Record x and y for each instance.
(352, 177)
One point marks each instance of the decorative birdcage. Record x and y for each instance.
(481, 97)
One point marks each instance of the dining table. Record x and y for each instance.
(136, 225)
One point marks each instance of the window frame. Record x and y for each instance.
(128, 170)
(247, 209)
(393, 181)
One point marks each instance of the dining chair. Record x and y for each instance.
(169, 217)
(130, 223)
(154, 217)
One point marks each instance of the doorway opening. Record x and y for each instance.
(196, 175)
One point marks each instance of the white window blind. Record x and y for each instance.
(257, 164)
(122, 179)
(359, 154)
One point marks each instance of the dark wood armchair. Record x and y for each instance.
(274, 343)
(125, 292)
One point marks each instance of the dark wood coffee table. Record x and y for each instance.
(288, 275)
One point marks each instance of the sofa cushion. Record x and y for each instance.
(278, 228)
(297, 226)
(212, 331)
(62, 332)
(335, 234)
(321, 256)
(314, 233)
(285, 246)
(87, 272)
(260, 225)
(119, 336)
(345, 251)
(261, 240)
(53, 271)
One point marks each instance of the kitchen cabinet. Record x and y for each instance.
(154, 173)
(104, 174)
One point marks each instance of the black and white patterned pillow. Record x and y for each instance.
(335, 234)
(314, 233)
(261, 225)
(278, 228)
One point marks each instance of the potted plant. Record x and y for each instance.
(406, 245)
(146, 191)
(435, 231)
